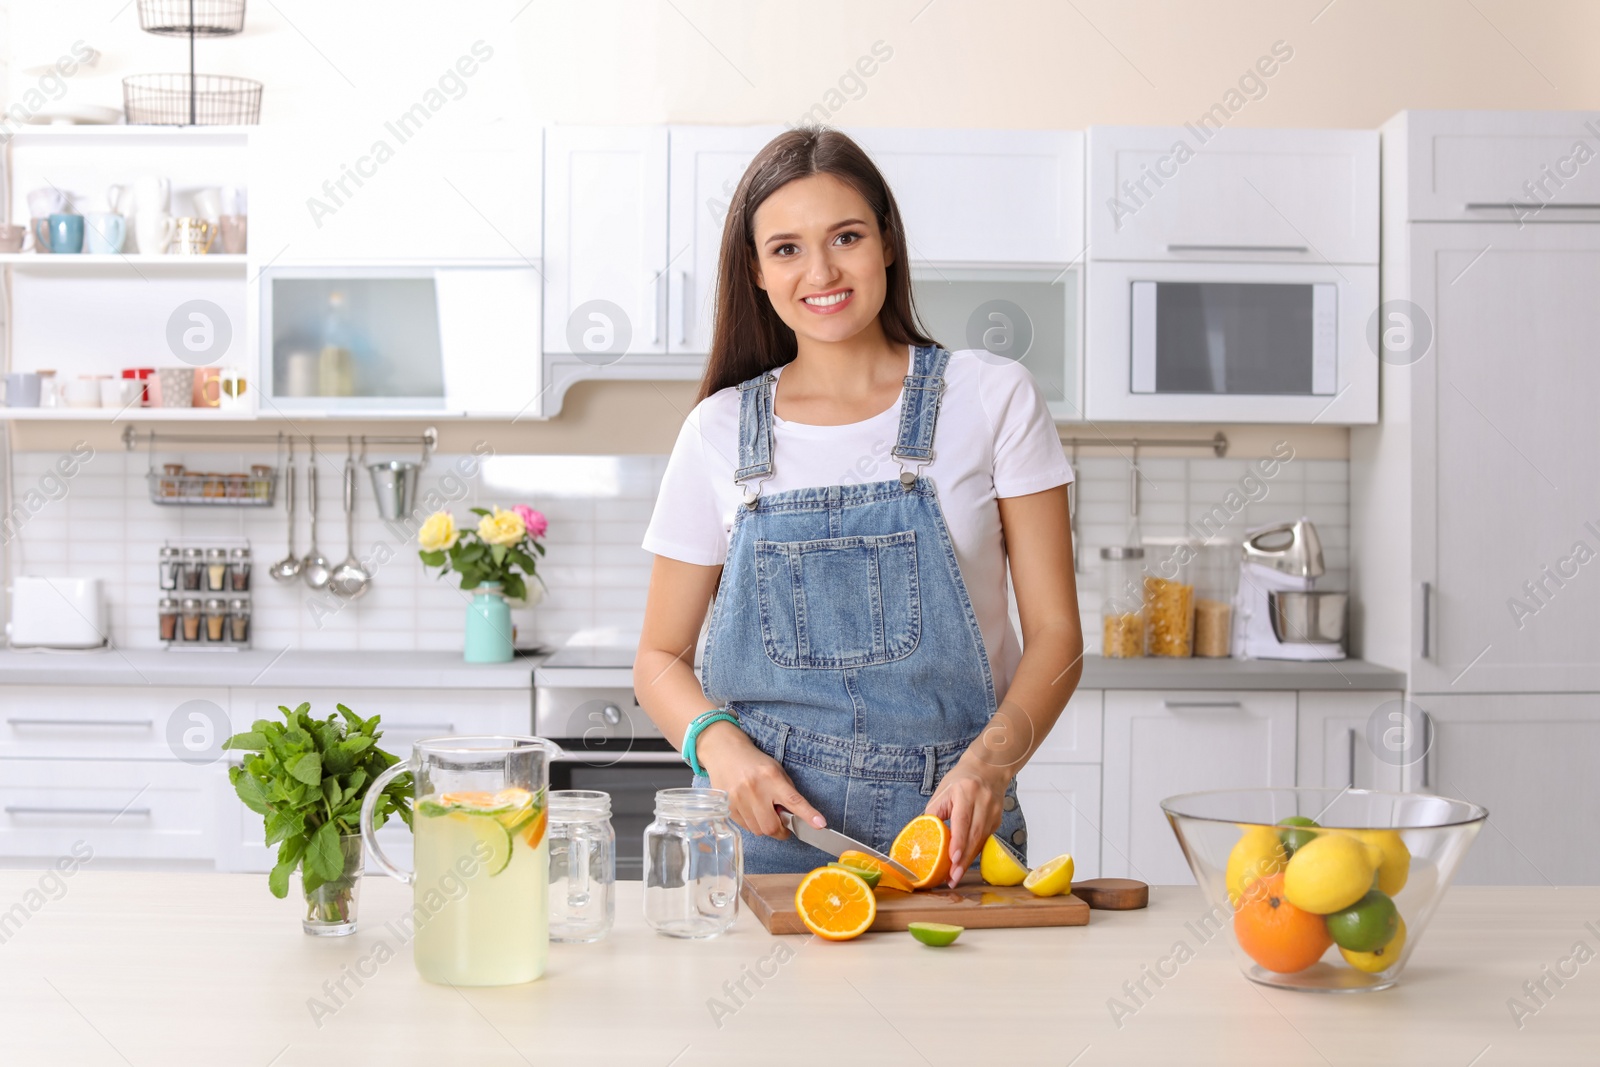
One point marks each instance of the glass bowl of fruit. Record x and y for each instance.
(1322, 889)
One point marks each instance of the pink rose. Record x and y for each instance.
(535, 521)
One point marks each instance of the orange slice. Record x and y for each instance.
(835, 904)
(923, 848)
(888, 878)
(533, 833)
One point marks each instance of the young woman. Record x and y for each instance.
(847, 497)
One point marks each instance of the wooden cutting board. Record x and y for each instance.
(770, 897)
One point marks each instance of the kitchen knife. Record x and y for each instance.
(836, 844)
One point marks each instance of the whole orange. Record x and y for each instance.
(1275, 933)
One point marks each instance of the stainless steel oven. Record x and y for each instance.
(583, 700)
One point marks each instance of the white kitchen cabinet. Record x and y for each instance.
(1075, 737)
(1161, 743)
(121, 809)
(984, 196)
(1533, 761)
(1062, 805)
(56, 723)
(1334, 739)
(1193, 193)
(1500, 166)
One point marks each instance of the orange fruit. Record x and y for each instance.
(1275, 933)
(533, 833)
(835, 904)
(923, 848)
(888, 877)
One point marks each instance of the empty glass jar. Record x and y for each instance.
(693, 864)
(583, 865)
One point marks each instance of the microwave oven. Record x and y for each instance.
(1231, 342)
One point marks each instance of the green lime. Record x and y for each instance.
(869, 877)
(1296, 839)
(1367, 925)
(493, 834)
(936, 934)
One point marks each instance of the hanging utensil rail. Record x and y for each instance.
(1218, 442)
(428, 439)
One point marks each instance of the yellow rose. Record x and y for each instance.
(438, 532)
(501, 528)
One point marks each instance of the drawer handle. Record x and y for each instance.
(135, 724)
(1237, 248)
(1506, 205)
(137, 813)
(1201, 705)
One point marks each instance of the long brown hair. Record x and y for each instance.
(749, 338)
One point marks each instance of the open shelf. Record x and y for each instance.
(131, 415)
(86, 261)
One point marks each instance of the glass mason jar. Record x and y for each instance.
(1122, 601)
(693, 864)
(583, 865)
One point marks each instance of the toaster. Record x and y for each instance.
(57, 613)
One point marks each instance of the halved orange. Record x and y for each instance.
(835, 904)
(888, 878)
(923, 848)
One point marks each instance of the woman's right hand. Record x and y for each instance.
(756, 783)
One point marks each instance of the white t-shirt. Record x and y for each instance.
(995, 438)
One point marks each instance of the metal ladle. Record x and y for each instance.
(350, 578)
(287, 569)
(315, 567)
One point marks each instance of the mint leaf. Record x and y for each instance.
(247, 742)
(280, 824)
(307, 768)
(249, 790)
(323, 857)
(278, 879)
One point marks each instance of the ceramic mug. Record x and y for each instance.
(152, 231)
(66, 234)
(232, 228)
(22, 390)
(104, 234)
(39, 229)
(120, 393)
(152, 195)
(11, 238)
(81, 393)
(207, 387)
(232, 385)
(208, 204)
(143, 376)
(193, 237)
(177, 386)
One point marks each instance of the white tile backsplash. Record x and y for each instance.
(598, 508)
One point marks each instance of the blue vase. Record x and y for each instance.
(488, 626)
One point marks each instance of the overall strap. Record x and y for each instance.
(919, 413)
(755, 432)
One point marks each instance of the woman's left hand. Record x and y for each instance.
(969, 798)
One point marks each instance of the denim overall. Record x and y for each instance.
(843, 637)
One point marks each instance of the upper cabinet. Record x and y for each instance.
(1186, 192)
(1498, 166)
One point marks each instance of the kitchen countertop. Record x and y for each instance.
(446, 670)
(144, 968)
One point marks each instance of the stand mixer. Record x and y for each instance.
(1278, 612)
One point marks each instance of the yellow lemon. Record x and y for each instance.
(1395, 865)
(1330, 873)
(999, 866)
(1050, 879)
(1258, 854)
(1379, 959)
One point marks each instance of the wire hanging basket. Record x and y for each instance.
(191, 100)
(202, 18)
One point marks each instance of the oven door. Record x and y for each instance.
(631, 772)
(1236, 342)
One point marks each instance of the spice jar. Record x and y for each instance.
(1122, 601)
(193, 568)
(169, 567)
(239, 621)
(239, 570)
(191, 619)
(1216, 580)
(693, 864)
(172, 482)
(1169, 603)
(260, 481)
(583, 865)
(216, 570)
(216, 619)
(167, 612)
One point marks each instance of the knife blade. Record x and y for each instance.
(836, 844)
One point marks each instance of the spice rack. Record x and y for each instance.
(205, 601)
(175, 485)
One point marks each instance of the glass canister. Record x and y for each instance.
(216, 570)
(583, 865)
(1122, 601)
(1169, 601)
(239, 621)
(216, 619)
(167, 612)
(1215, 582)
(169, 567)
(693, 864)
(239, 570)
(190, 609)
(193, 574)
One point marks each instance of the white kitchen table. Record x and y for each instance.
(168, 968)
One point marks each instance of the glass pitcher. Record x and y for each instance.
(480, 915)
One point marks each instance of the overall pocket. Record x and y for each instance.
(839, 602)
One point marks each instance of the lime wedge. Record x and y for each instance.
(936, 934)
(869, 877)
(494, 837)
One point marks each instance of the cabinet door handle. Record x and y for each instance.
(1427, 620)
(686, 305)
(1201, 705)
(18, 809)
(131, 724)
(655, 280)
(1237, 248)
(1534, 205)
(1350, 744)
